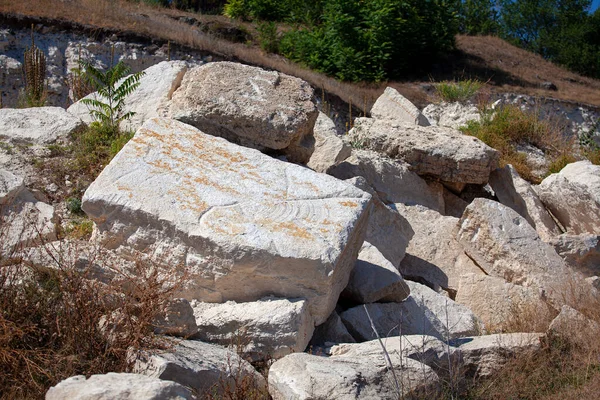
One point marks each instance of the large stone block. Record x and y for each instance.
(247, 105)
(440, 152)
(392, 105)
(38, 125)
(244, 224)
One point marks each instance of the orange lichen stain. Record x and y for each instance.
(124, 188)
(161, 164)
(348, 204)
(228, 229)
(293, 230)
(326, 222)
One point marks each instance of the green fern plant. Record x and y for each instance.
(112, 86)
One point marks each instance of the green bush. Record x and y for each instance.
(267, 36)
(74, 205)
(457, 91)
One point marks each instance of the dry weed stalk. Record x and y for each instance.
(34, 71)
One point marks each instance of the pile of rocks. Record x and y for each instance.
(287, 234)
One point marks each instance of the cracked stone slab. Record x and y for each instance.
(244, 224)
(38, 125)
(440, 152)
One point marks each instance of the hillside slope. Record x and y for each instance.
(504, 67)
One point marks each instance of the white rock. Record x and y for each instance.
(248, 105)
(26, 222)
(573, 196)
(518, 194)
(482, 356)
(572, 324)
(503, 244)
(266, 328)
(425, 312)
(330, 332)
(392, 105)
(117, 386)
(422, 348)
(433, 254)
(580, 252)
(234, 215)
(452, 115)
(375, 279)
(494, 301)
(330, 149)
(392, 180)
(440, 152)
(39, 125)
(176, 319)
(203, 367)
(303, 376)
(10, 187)
(151, 99)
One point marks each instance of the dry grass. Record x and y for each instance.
(57, 321)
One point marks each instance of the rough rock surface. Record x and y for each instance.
(39, 125)
(573, 196)
(433, 254)
(440, 152)
(484, 355)
(330, 332)
(392, 180)
(151, 99)
(504, 244)
(392, 105)
(234, 215)
(425, 312)
(516, 193)
(118, 386)
(10, 186)
(581, 252)
(422, 348)
(200, 366)
(176, 319)
(303, 376)
(375, 279)
(452, 115)
(494, 301)
(572, 324)
(387, 229)
(247, 105)
(26, 222)
(330, 149)
(270, 327)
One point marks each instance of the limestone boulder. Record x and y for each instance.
(10, 186)
(267, 328)
(572, 324)
(26, 222)
(247, 105)
(443, 153)
(37, 125)
(229, 214)
(330, 149)
(304, 376)
(392, 105)
(516, 193)
(425, 312)
(151, 99)
(573, 196)
(176, 319)
(387, 229)
(375, 279)
(580, 252)
(118, 386)
(331, 331)
(392, 180)
(425, 349)
(452, 115)
(505, 245)
(434, 255)
(205, 368)
(482, 356)
(494, 301)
